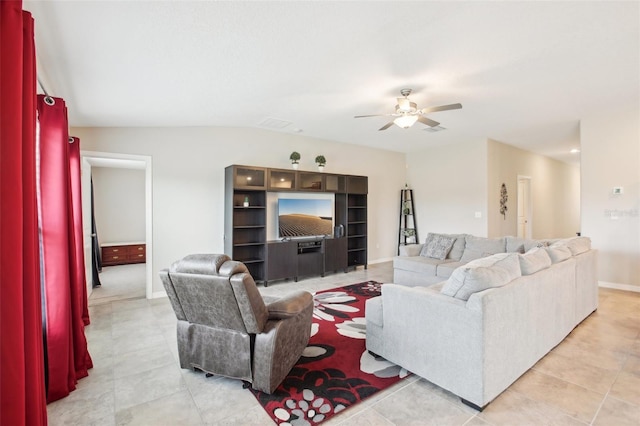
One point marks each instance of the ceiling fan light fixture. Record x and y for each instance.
(405, 121)
(405, 105)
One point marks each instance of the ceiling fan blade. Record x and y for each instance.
(386, 126)
(373, 115)
(427, 121)
(441, 108)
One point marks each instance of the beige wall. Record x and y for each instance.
(555, 192)
(188, 180)
(119, 204)
(611, 158)
(450, 186)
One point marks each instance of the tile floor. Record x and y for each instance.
(593, 377)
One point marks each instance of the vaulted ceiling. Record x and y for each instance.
(525, 72)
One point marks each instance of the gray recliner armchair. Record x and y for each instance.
(226, 327)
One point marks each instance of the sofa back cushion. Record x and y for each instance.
(481, 274)
(477, 247)
(577, 245)
(534, 260)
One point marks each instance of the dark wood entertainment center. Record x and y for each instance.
(267, 260)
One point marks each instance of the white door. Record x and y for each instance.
(524, 207)
(85, 171)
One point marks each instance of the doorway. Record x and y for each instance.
(524, 207)
(123, 161)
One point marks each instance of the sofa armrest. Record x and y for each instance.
(290, 305)
(411, 250)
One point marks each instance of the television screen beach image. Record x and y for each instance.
(304, 217)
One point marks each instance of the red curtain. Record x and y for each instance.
(76, 201)
(64, 280)
(22, 382)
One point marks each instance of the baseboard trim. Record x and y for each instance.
(617, 286)
(158, 294)
(386, 259)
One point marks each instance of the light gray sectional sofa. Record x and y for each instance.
(479, 330)
(416, 264)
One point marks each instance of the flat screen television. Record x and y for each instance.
(302, 217)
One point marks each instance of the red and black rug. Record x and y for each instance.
(335, 370)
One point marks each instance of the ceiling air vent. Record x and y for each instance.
(434, 129)
(273, 123)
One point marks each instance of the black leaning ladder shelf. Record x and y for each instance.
(408, 228)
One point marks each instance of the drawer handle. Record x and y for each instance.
(141, 255)
(115, 257)
(114, 250)
(140, 248)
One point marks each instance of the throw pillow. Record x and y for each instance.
(534, 260)
(437, 246)
(477, 247)
(481, 274)
(558, 252)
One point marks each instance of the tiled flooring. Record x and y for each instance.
(593, 377)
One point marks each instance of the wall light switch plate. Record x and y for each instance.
(617, 190)
(478, 215)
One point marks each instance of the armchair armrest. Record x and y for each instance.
(290, 305)
(411, 250)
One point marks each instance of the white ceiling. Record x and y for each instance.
(525, 72)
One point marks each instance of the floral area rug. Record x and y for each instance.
(335, 370)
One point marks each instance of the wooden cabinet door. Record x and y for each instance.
(335, 254)
(281, 260)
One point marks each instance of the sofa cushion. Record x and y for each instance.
(437, 246)
(481, 274)
(444, 270)
(577, 245)
(558, 252)
(534, 260)
(418, 264)
(458, 246)
(410, 249)
(477, 247)
(515, 244)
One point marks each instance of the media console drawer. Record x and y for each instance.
(123, 254)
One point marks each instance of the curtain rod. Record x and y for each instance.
(42, 86)
(48, 99)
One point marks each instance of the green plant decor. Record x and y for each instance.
(294, 157)
(321, 161)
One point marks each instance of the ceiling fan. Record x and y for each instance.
(407, 113)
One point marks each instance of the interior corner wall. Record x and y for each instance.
(188, 180)
(449, 186)
(610, 157)
(555, 192)
(119, 204)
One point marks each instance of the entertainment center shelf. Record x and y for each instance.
(248, 212)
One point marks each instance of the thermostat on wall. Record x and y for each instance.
(617, 190)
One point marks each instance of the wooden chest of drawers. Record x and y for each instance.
(123, 254)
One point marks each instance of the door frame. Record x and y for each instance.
(118, 161)
(529, 203)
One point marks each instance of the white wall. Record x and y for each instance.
(610, 157)
(450, 186)
(119, 204)
(188, 180)
(555, 192)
